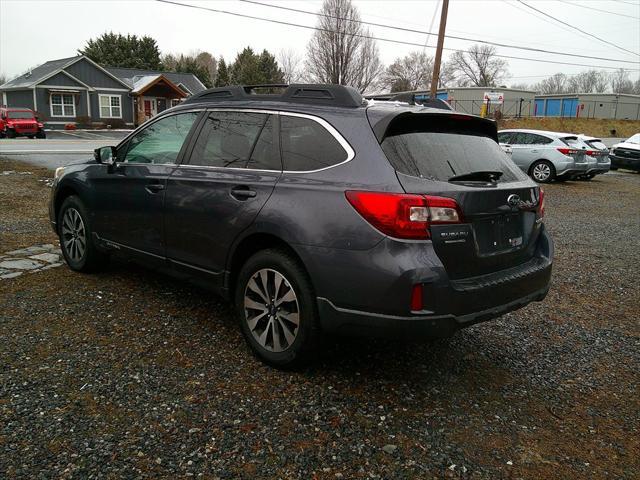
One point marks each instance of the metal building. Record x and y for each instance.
(510, 102)
(588, 105)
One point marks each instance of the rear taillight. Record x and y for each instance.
(541, 204)
(403, 215)
(567, 151)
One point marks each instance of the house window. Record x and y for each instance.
(176, 101)
(110, 106)
(62, 105)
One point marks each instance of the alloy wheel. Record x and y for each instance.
(541, 172)
(74, 238)
(271, 310)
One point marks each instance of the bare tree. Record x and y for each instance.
(447, 77)
(636, 87)
(3, 79)
(479, 67)
(554, 84)
(620, 82)
(207, 61)
(340, 52)
(290, 63)
(589, 81)
(412, 72)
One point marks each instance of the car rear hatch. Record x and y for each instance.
(458, 157)
(602, 152)
(577, 149)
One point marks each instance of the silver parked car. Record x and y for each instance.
(546, 156)
(598, 155)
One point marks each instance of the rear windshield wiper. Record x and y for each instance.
(482, 176)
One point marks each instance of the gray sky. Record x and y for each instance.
(32, 32)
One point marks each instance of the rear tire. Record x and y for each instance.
(542, 171)
(76, 237)
(41, 134)
(277, 309)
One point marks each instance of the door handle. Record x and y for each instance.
(154, 187)
(242, 193)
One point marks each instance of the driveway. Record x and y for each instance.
(131, 374)
(60, 147)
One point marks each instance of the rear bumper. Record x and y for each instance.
(623, 162)
(572, 172)
(368, 293)
(353, 322)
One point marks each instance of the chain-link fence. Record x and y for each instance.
(569, 108)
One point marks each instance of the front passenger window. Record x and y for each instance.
(160, 142)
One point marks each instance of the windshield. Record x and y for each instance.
(634, 139)
(20, 115)
(440, 156)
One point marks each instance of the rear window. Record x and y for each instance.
(573, 142)
(20, 115)
(597, 144)
(440, 156)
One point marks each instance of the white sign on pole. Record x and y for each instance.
(495, 98)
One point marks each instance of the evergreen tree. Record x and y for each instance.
(188, 64)
(222, 79)
(245, 70)
(250, 68)
(116, 50)
(269, 67)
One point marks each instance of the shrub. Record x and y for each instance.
(115, 123)
(84, 122)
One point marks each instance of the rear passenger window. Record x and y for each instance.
(539, 139)
(227, 139)
(307, 145)
(504, 137)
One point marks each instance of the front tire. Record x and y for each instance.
(542, 171)
(76, 239)
(277, 310)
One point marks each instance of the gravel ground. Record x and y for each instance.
(128, 374)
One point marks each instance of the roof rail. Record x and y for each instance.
(310, 94)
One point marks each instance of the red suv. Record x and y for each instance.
(16, 122)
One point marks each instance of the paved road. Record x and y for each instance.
(59, 148)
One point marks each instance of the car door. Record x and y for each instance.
(520, 142)
(130, 196)
(219, 190)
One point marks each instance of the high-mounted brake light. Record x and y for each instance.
(403, 215)
(567, 151)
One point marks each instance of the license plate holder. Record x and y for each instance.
(499, 233)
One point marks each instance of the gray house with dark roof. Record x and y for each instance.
(77, 90)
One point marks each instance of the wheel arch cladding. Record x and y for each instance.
(251, 245)
(63, 193)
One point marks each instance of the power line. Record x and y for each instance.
(597, 9)
(422, 32)
(575, 28)
(381, 39)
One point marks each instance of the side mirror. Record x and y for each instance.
(106, 156)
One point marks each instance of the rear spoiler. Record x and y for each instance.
(432, 121)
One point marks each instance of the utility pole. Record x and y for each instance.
(438, 61)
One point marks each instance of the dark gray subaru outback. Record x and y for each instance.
(316, 211)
